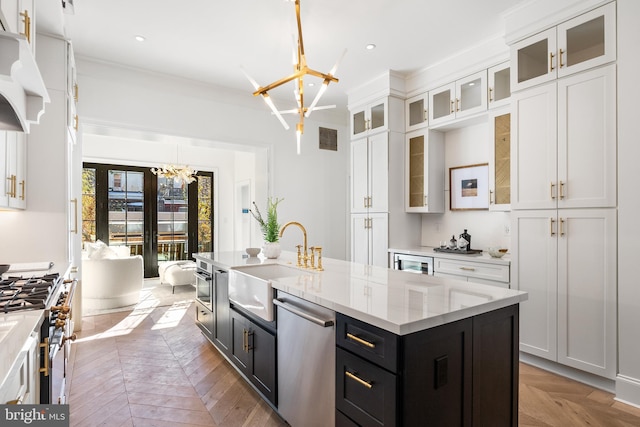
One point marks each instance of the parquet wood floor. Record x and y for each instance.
(152, 367)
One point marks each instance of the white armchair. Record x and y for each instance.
(112, 281)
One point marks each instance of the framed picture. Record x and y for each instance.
(469, 187)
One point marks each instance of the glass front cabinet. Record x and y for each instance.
(369, 119)
(500, 164)
(459, 99)
(424, 166)
(499, 85)
(583, 42)
(417, 112)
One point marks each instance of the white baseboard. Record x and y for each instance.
(628, 390)
(592, 380)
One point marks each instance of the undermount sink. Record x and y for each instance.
(250, 287)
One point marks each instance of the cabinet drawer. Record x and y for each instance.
(372, 343)
(479, 270)
(204, 319)
(364, 392)
(343, 421)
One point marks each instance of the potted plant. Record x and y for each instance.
(270, 228)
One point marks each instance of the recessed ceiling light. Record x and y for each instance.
(311, 84)
(140, 38)
(371, 46)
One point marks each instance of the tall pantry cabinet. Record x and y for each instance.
(378, 219)
(563, 196)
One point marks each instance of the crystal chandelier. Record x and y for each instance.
(300, 69)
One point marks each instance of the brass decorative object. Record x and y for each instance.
(300, 69)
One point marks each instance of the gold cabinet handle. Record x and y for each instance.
(561, 189)
(491, 197)
(560, 64)
(359, 380)
(467, 268)
(45, 346)
(27, 25)
(364, 202)
(425, 201)
(457, 104)
(490, 94)
(426, 114)
(74, 202)
(553, 196)
(551, 61)
(369, 202)
(360, 341)
(452, 109)
(22, 189)
(12, 187)
(551, 226)
(75, 123)
(561, 227)
(75, 92)
(245, 340)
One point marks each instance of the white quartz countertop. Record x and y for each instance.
(429, 251)
(15, 329)
(397, 301)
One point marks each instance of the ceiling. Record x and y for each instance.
(210, 40)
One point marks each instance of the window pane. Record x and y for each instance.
(205, 217)
(173, 210)
(126, 205)
(88, 205)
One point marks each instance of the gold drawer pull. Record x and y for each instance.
(367, 384)
(45, 346)
(467, 268)
(360, 340)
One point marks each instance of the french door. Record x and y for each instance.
(162, 219)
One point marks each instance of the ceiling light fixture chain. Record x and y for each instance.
(300, 69)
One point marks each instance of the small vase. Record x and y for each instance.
(271, 250)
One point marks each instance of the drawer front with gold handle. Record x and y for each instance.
(473, 269)
(365, 392)
(373, 344)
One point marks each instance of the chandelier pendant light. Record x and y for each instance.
(176, 172)
(300, 69)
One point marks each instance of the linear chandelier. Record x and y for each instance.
(178, 173)
(300, 69)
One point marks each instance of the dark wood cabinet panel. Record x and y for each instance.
(343, 421)
(496, 368)
(222, 325)
(204, 319)
(364, 391)
(253, 352)
(436, 370)
(372, 343)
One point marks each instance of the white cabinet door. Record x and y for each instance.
(370, 119)
(587, 41)
(360, 238)
(533, 60)
(499, 84)
(534, 148)
(379, 239)
(442, 104)
(587, 290)
(359, 175)
(534, 267)
(6, 184)
(379, 173)
(417, 112)
(17, 168)
(471, 94)
(587, 139)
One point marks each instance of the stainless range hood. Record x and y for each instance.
(22, 90)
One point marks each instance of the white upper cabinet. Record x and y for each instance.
(13, 167)
(19, 18)
(424, 169)
(417, 112)
(459, 99)
(370, 119)
(564, 143)
(581, 43)
(499, 85)
(369, 174)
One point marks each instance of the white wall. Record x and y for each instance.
(467, 145)
(156, 107)
(628, 381)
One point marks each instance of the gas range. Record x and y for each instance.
(27, 293)
(53, 295)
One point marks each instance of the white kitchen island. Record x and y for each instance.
(421, 347)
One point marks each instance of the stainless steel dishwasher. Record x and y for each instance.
(306, 362)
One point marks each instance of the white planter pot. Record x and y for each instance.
(271, 250)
